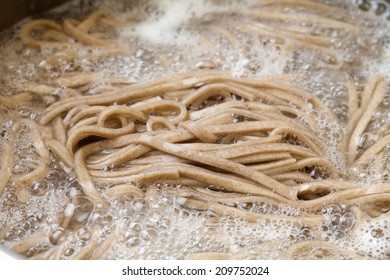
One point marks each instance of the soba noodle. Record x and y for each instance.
(215, 140)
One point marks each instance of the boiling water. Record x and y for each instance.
(174, 36)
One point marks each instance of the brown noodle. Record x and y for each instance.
(244, 137)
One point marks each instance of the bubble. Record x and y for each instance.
(377, 233)
(339, 234)
(149, 234)
(68, 251)
(347, 220)
(78, 212)
(10, 235)
(32, 221)
(128, 234)
(73, 191)
(20, 168)
(57, 236)
(39, 188)
(132, 242)
(25, 225)
(40, 216)
(165, 223)
(84, 234)
(32, 251)
(106, 230)
(186, 230)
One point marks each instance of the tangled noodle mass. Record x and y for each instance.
(220, 144)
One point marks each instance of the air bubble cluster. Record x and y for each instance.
(159, 226)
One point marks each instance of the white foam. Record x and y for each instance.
(165, 26)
